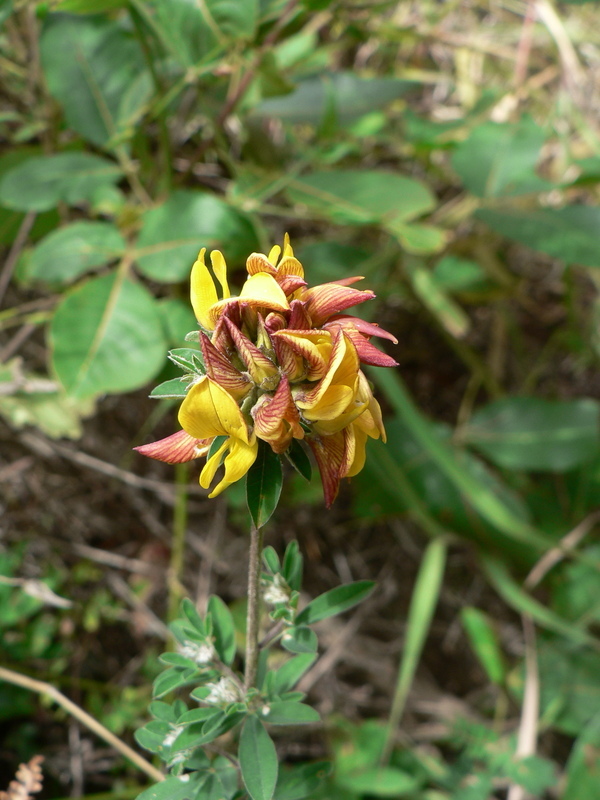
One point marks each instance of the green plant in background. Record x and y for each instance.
(179, 126)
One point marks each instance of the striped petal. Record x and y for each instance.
(178, 448)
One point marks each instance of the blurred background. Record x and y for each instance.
(450, 153)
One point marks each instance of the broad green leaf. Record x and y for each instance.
(362, 196)
(569, 233)
(583, 766)
(329, 261)
(232, 20)
(481, 496)
(223, 629)
(173, 233)
(69, 252)
(178, 320)
(448, 313)
(343, 93)
(484, 641)
(531, 433)
(335, 602)
(380, 782)
(106, 336)
(263, 484)
(104, 85)
(172, 788)
(289, 712)
(499, 159)
(454, 274)
(423, 602)
(301, 780)
(575, 596)
(300, 639)
(288, 675)
(41, 182)
(258, 760)
(184, 30)
(418, 239)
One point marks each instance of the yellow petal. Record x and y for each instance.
(220, 269)
(237, 462)
(274, 254)
(332, 404)
(208, 410)
(202, 291)
(360, 452)
(261, 289)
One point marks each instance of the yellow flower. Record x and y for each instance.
(280, 363)
(209, 411)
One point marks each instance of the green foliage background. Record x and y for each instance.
(457, 170)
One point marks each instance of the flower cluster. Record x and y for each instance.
(281, 362)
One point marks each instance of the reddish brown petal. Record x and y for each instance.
(307, 349)
(323, 301)
(276, 418)
(291, 363)
(366, 328)
(299, 319)
(367, 352)
(220, 369)
(257, 363)
(290, 283)
(178, 448)
(274, 322)
(329, 453)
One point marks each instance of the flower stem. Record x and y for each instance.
(252, 618)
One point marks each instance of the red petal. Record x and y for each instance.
(219, 368)
(299, 319)
(255, 360)
(366, 328)
(367, 352)
(321, 302)
(329, 452)
(178, 448)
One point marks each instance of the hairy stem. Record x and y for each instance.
(252, 618)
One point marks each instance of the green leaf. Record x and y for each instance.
(362, 196)
(531, 433)
(172, 788)
(190, 611)
(88, 6)
(271, 559)
(106, 336)
(41, 182)
(454, 274)
(258, 760)
(335, 602)
(569, 233)
(173, 233)
(482, 638)
(293, 564)
(449, 314)
(420, 614)
(183, 29)
(288, 675)
(380, 782)
(300, 639)
(499, 159)
(232, 20)
(479, 494)
(104, 85)
(583, 766)
(289, 712)
(301, 780)
(223, 629)
(512, 593)
(171, 388)
(263, 484)
(298, 458)
(418, 239)
(178, 320)
(172, 679)
(343, 93)
(69, 252)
